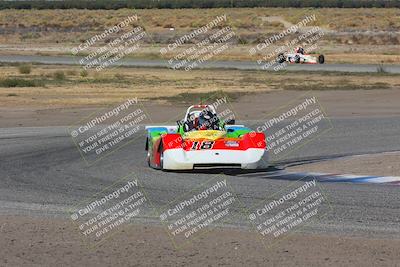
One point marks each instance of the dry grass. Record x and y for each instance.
(55, 32)
(250, 23)
(363, 58)
(373, 19)
(116, 85)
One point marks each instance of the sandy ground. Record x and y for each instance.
(40, 242)
(385, 164)
(160, 85)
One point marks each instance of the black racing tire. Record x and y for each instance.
(161, 149)
(148, 154)
(281, 58)
(297, 59)
(148, 159)
(321, 59)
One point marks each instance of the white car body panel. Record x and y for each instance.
(179, 159)
(308, 58)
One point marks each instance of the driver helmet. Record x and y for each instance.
(208, 120)
(299, 50)
(204, 122)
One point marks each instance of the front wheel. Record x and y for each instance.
(321, 59)
(161, 157)
(148, 159)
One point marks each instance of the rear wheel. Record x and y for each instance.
(281, 58)
(297, 59)
(321, 59)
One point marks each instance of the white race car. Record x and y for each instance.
(300, 57)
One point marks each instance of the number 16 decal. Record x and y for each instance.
(203, 145)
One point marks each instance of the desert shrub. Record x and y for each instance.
(71, 72)
(24, 69)
(59, 75)
(84, 73)
(18, 82)
(119, 76)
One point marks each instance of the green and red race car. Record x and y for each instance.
(203, 140)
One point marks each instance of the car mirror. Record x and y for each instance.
(230, 122)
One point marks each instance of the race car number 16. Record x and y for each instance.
(202, 145)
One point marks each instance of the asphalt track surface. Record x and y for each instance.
(241, 65)
(43, 174)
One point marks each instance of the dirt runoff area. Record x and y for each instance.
(27, 241)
